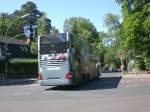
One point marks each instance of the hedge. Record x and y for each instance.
(22, 69)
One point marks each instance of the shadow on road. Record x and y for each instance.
(15, 82)
(102, 83)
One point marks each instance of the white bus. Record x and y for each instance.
(64, 59)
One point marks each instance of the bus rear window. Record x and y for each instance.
(54, 48)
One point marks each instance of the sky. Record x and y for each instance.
(59, 10)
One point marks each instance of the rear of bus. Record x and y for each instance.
(53, 60)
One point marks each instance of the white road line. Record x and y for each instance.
(50, 92)
(19, 94)
(127, 81)
(136, 85)
(31, 85)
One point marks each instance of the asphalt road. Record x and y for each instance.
(111, 93)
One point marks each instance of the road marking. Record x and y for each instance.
(50, 92)
(31, 85)
(129, 86)
(19, 94)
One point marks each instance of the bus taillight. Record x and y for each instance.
(69, 76)
(40, 77)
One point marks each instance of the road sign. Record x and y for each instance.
(27, 30)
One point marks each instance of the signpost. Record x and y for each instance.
(26, 30)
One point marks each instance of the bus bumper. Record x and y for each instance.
(55, 82)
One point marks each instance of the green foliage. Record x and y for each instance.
(42, 23)
(81, 27)
(136, 28)
(17, 24)
(147, 64)
(109, 56)
(23, 69)
(84, 29)
(42, 26)
(112, 22)
(54, 30)
(34, 48)
(28, 7)
(4, 21)
(12, 23)
(139, 63)
(113, 40)
(100, 49)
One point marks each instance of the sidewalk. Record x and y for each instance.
(17, 81)
(137, 75)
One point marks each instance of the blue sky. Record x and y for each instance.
(59, 10)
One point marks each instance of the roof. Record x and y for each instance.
(13, 41)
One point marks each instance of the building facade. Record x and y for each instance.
(15, 49)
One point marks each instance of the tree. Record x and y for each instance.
(81, 27)
(42, 25)
(54, 30)
(114, 40)
(13, 24)
(100, 49)
(136, 25)
(112, 23)
(28, 7)
(4, 20)
(19, 23)
(43, 28)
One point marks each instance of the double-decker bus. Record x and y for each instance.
(64, 59)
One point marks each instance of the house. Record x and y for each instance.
(15, 49)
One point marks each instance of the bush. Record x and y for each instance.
(147, 64)
(22, 69)
(139, 64)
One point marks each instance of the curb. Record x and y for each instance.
(17, 81)
(136, 75)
